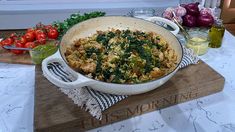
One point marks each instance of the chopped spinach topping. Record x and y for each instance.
(102, 38)
(90, 51)
(107, 74)
(124, 56)
(98, 64)
(110, 34)
(118, 76)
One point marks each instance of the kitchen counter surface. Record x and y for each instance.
(213, 113)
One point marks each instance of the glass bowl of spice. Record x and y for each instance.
(198, 41)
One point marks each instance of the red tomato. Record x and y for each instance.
(38, 31)
(13, 36)
(52, 33)
(17, 41)
(42, 41)
(23, 40)
(18, 51)
(30, 30)
(7, 42)
(19, 45)
(47, 27)
(41, 37)
(30, 36)
(30, 45)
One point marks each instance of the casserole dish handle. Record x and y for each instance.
(79, 82)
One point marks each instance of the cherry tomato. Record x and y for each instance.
(17, 41)
(23, 40)
(0, 42)
(30, 45)
(19, 45)
(13, 36)
(7, 42)
(47, 27)
(41, 37)
(30, 36)
(42, 41)
(38, 31)
(52, 33)
(17, 52)
(30, 30)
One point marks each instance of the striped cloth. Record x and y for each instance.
(94, 101)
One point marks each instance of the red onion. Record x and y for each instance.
(180, 11)
(205, 20)
(189, 21)
(205, 11)
(192, 9)
(183, 5)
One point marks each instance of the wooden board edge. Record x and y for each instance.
(221, 76)
(125, 113)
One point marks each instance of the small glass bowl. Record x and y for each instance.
(40, 52)
(142, 13)
(198, 41)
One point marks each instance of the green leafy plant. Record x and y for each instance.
(63, 27)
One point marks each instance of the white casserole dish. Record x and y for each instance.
(90, 27)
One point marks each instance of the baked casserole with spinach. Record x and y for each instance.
(122, 56)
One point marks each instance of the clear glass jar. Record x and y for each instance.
(198, 41)
(142, 13)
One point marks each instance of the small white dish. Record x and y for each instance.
(164, 22)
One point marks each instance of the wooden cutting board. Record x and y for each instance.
(55, 112)
(8, 57)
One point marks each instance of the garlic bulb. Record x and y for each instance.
(180, 11)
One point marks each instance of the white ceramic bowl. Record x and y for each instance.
(163, 22)
(90, 27)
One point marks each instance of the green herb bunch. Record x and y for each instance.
(63, 27)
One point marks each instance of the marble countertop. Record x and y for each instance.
(213, 113)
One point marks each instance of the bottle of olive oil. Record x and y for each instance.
(216, 34)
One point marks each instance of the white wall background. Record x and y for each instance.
(18, 14)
